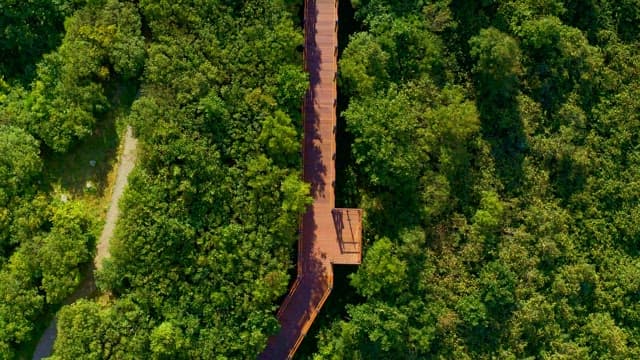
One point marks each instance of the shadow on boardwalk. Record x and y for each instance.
(318, 246)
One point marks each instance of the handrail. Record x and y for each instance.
(312, 316)
(287, 299)
(296, 317)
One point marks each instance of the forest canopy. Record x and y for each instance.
(493, 149)
(493, 146)
(209, 220)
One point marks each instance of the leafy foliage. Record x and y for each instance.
(20, 166)
(47, 239)
(495, 152)
(102, 43)
(498, 242)
(209, 220)
(44, 270)
(30, 29)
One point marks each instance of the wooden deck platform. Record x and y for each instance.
(328, 235)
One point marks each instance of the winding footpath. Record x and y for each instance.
(125, 166)
(328, 235)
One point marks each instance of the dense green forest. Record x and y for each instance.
(494, 146)
(63, 64)
(211, 213)
(495, 149)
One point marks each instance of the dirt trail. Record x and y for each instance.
(125, 165)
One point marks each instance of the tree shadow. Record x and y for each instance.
(314, 278)
(314, 169)
(471, 16)
(308, 292)
(85, 168)
(334, 308)
(503, 129)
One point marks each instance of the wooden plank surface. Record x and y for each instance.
(318, 246)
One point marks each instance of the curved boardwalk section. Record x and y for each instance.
(329, 235)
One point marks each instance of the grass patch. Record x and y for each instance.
(87, 171)
(83, 172)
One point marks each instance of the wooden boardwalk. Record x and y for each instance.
(328, 235)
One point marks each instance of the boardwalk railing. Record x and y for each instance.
(348, 223)
(312, 317)
(327, 235)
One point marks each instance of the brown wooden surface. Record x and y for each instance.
(348, 227)
(328, 235)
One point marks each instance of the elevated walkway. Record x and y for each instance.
(328, 235)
